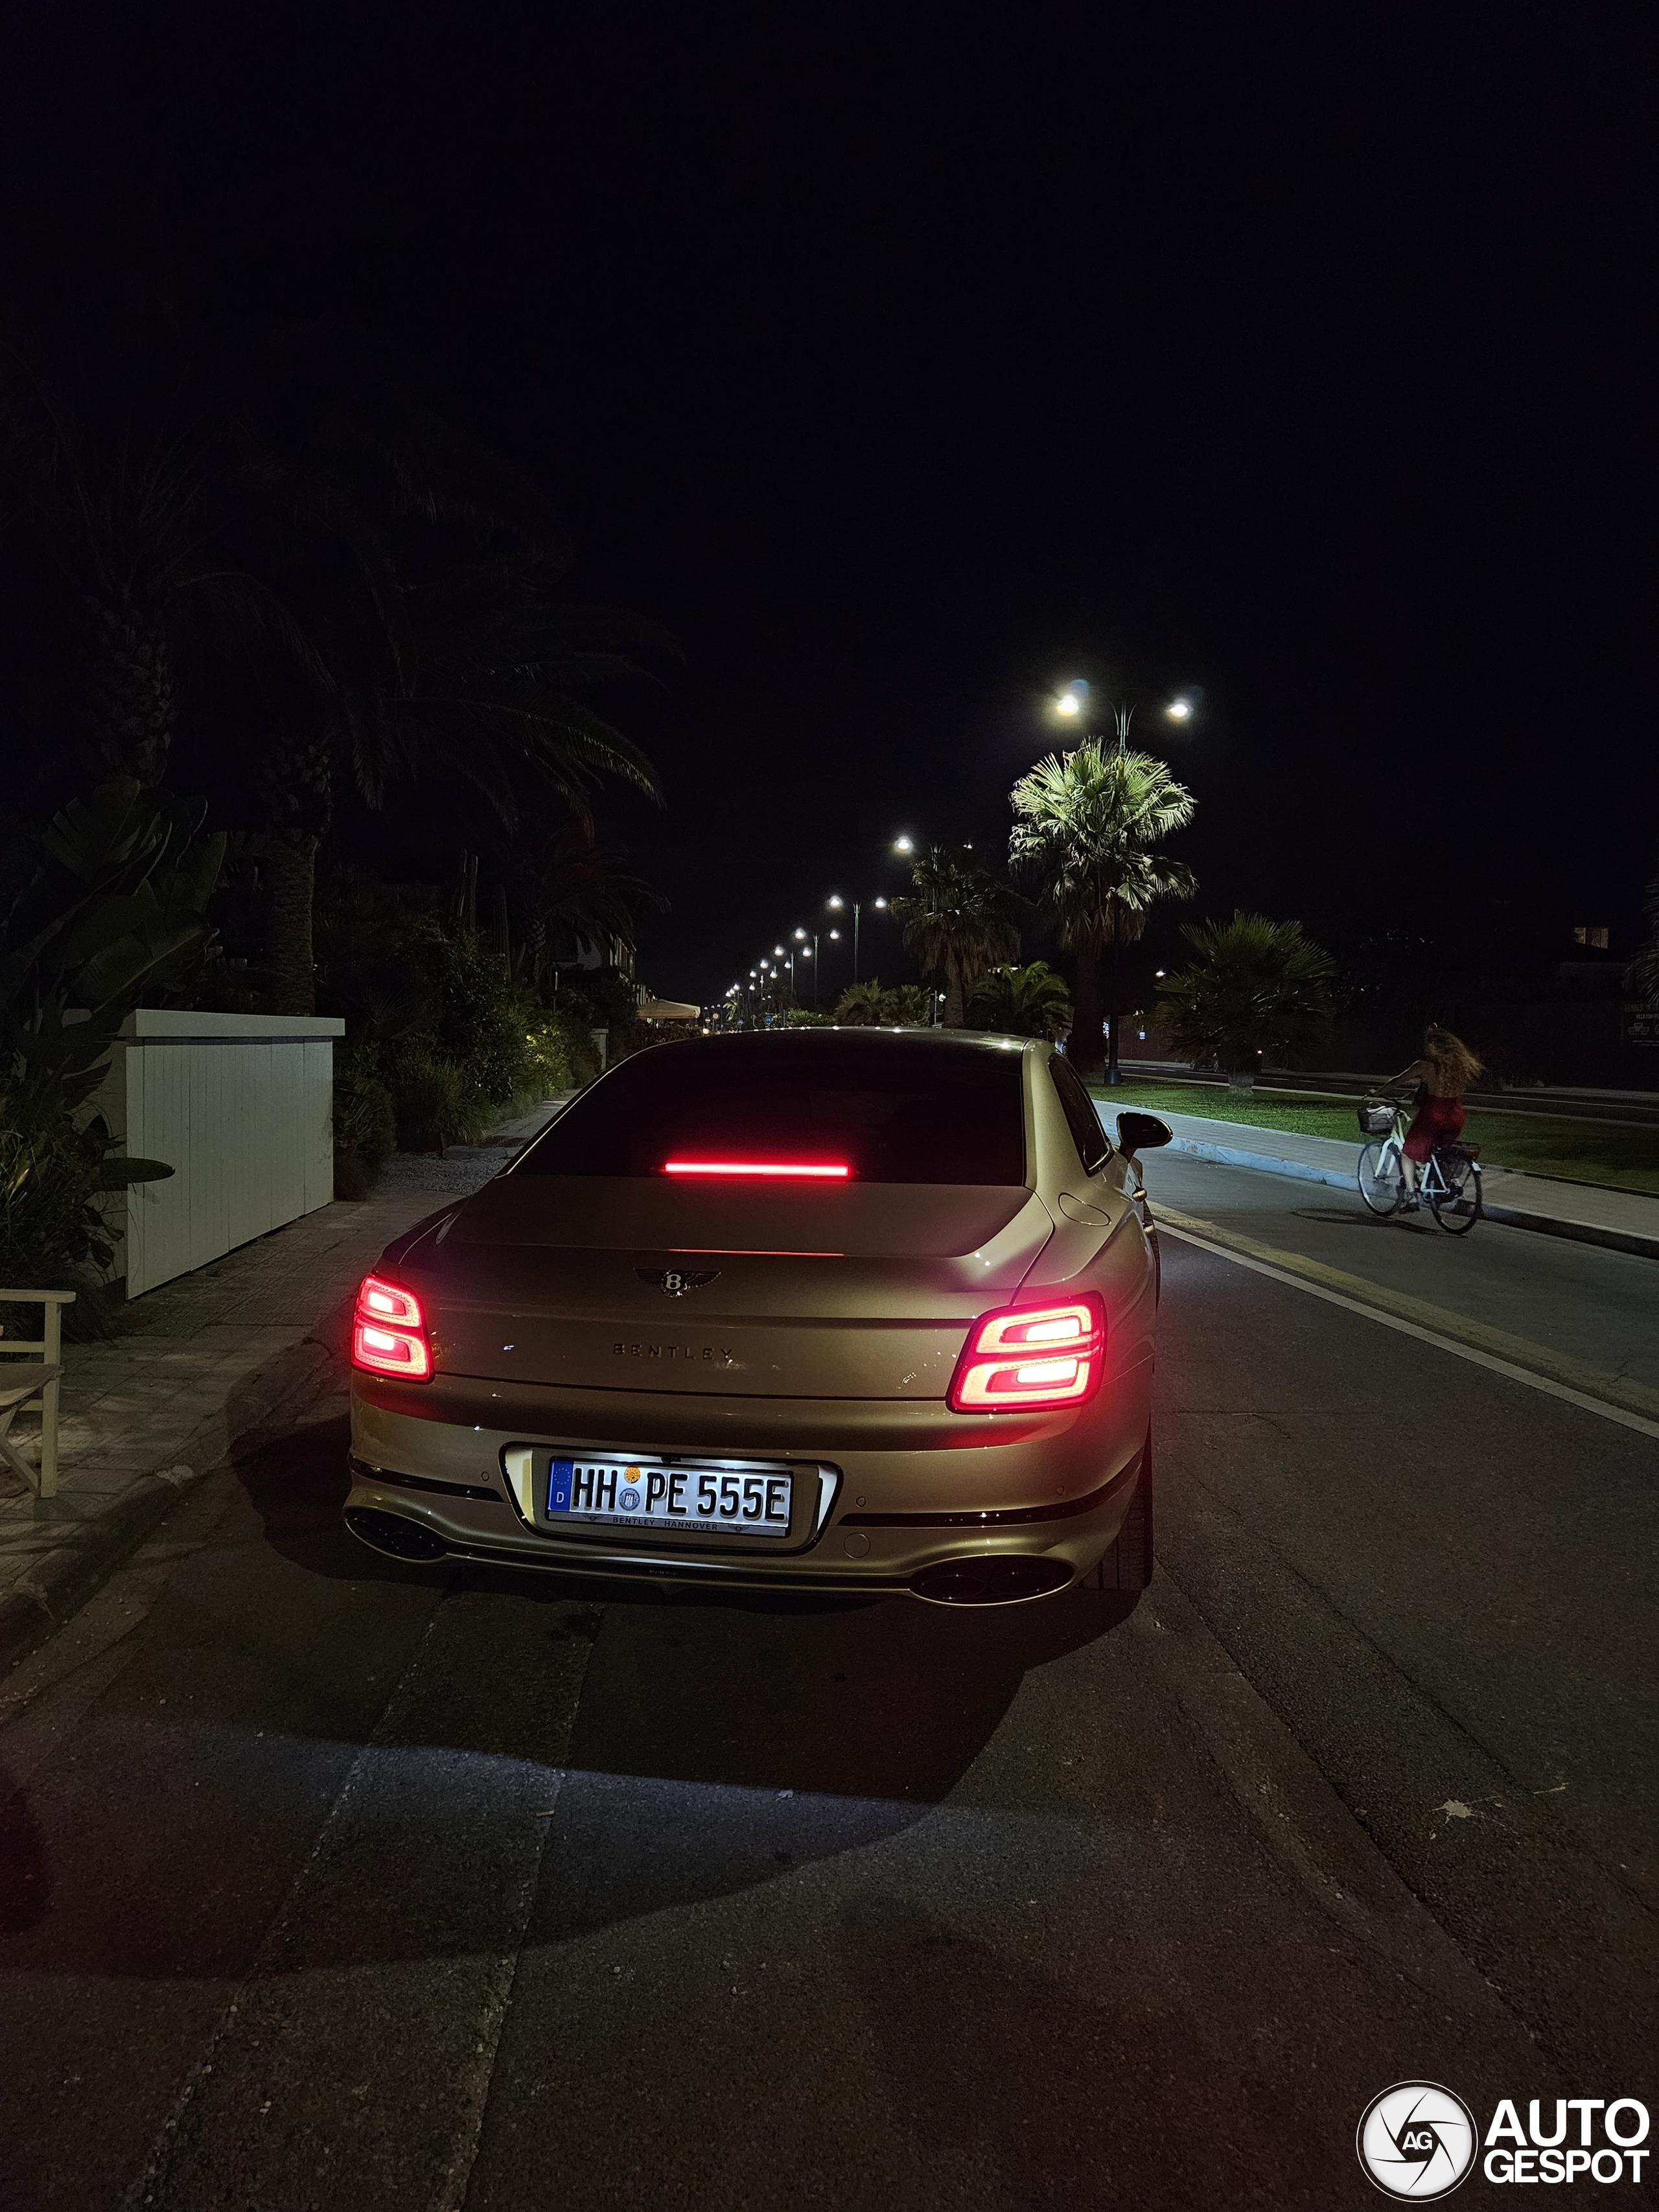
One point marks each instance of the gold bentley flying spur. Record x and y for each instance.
(816, 1309)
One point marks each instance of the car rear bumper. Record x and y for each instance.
(914, 1487)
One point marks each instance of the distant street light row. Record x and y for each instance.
(806, 944)
(1070, 702)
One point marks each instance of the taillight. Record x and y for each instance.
(1026, 1357)
(388, 1332)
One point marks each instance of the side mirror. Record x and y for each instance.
(1141, 1132)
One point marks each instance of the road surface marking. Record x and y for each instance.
(1582, 1399)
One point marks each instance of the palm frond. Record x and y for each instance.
(1085, 827)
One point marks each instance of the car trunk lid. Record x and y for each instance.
(635, 1284)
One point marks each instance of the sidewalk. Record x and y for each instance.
(1535, 1098)
(198, 1363)
(1583, 1212)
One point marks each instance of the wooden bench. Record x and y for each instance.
(23, 1381)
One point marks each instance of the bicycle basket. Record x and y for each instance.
(1375, 1118)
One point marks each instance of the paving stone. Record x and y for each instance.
(195, 1364)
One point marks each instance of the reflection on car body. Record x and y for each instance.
(819, 1309)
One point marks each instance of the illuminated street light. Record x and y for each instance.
(1068, 703)
(903, 845)
(1179, 710)
(838, 904)
(800, 937)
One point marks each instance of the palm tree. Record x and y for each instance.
(1643, 977)
(1087, 825)
(1254, 989)
(118, 516)
(1030, 1001)
(860, 1005)
(563, 878)
(959, 922)
(424, 578)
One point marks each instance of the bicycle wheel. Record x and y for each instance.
(1457, 1208)
(1382, 1176)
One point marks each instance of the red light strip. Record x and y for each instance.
(817, 1171)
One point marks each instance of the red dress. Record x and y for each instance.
(1438, 1121)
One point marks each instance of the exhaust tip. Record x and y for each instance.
(996, 1578)
(395, 1534)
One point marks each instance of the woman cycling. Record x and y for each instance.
(1446, 1070)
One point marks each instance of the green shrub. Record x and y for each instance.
(907, 1007)
(364, 1121)
(365, 1130)
(417, 986)
(1254, 989)
(103, 906)
(902, 1006)
(560, 1054)
(52, 1224)
(481, 1026)
(1029, 1001)
(573, 1021)
(56, 1183)
(547, 1064)
(433, 1103)
(860, 1006)
(605, 1000)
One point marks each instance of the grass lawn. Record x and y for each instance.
(1618, 1152)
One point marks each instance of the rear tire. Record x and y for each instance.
(1381, 1177)
(1127, 1564)
(1460, 1209)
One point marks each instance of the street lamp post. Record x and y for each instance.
(838, 903)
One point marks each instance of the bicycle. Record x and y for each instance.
(1450, 1179)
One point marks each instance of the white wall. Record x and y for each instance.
(239, 1106)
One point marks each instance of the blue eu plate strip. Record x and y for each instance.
(558, 1486)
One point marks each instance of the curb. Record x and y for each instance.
(1577, 1233)
(1229, 1156)
(59, 1582)
(1512, 1217)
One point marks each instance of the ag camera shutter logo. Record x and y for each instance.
(1417, 2141)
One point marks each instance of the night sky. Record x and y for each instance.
(907, 363)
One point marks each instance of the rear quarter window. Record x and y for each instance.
(1093, 1146)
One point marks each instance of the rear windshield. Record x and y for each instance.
(888, 1109)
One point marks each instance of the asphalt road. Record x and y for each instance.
(1578, 1300)
(327, 1883)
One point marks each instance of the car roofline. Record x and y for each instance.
(993, 1040)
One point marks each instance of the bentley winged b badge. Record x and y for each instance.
(675, 1282)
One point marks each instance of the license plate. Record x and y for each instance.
(723, 1501)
